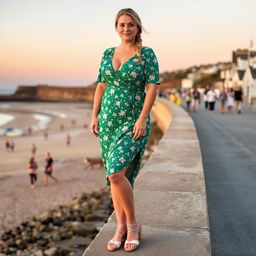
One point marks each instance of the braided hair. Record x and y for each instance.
(138, 40)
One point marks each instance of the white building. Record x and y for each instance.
(249, 84)
(186, 83)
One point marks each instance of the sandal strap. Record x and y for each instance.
(137, 242)
(116, 243)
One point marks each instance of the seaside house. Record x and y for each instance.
(249, 84)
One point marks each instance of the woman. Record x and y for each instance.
(121, 111)
(188, 99)
(32, 170)
(230, 100)
(196, 99)
(223, 99)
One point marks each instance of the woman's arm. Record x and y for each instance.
(140, 125)
(99, 92)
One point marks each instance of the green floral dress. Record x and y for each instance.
(121, 105)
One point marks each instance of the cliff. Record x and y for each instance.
(51, 93)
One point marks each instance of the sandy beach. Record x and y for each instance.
(18, 200)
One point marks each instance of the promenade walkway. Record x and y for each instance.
(170, 194)
(228, 146)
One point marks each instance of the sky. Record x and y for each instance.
(60, 42)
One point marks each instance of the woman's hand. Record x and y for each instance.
(94, 126)
(139, 128)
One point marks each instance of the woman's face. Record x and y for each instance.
(126, 28)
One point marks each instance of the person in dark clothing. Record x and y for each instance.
(206, 97)
(32, 170)
(48, 168)
(238, 97)
(196, 99)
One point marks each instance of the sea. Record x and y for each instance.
(7, 91)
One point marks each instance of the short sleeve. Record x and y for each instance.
(100, 78)
(151, 69)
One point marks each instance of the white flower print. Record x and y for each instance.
(121, 159)
(112, 170)
(130, 65)
(122, 113)
(118, 103)
(132, 148)
(105, 116)
(137, 97)
(134, 74)
(120, 147)
(112, 91)
(110, 123)
(105, 137)
(116, 83)
(125, 128)
(151, 77)
(107, 72)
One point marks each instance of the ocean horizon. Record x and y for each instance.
(7, 91)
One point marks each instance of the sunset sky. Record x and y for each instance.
(61, 42)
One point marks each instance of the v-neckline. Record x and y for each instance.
(113, 51)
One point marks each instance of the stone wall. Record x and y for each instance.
(170, 196)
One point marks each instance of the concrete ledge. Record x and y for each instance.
(170, 195)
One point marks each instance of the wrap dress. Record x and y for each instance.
(120, 108)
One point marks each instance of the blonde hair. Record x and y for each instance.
(138, 41)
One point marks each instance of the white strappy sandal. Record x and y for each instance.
(117, 244)
(132, 228)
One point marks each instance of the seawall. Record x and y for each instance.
(170, 196)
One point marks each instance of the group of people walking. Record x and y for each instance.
(32, 168)
(229, 98)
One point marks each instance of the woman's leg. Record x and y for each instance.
(123, 194)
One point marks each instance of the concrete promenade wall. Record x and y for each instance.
(170, 196)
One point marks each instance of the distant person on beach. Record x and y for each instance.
(7, 145)
(48, 168)
(238, 97)
(29, 130)
(223, 98)
(68, 139)
(62, 127)
(45, 135)
(32, 170)
(33, 150)
(128, 76)
(212, 96)
(12, 145)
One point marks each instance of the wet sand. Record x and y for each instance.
(18, 200)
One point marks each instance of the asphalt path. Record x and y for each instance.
(228, 145)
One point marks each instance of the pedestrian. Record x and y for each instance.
(12, 145)
(211, 97)
(230, 100)
(123, 119)
(45, 135)
(33, 150)
(32, 170)
(206, 97)
(68, 139)
(48, 168)
(223, 99)
(29, 130)
(238, 97)
(196, 99)
(188, 99)
(7, 145)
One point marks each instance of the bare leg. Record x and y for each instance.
(122, 191)
(45, 179)
(53, 178)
